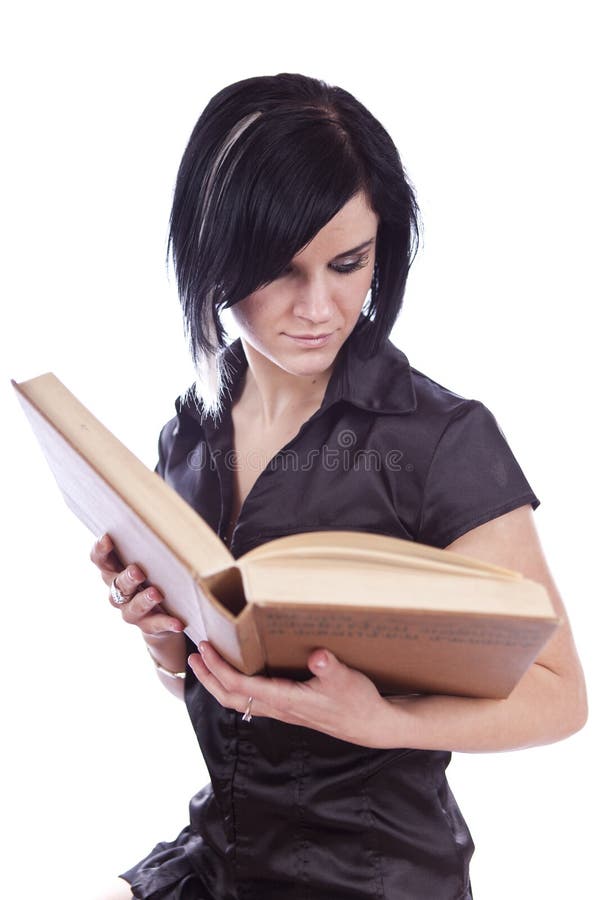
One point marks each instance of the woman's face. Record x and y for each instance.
(321, 293)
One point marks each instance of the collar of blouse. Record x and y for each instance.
(382, 383)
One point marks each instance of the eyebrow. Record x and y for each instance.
(356, 249)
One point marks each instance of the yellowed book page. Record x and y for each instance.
(350, 545)
(360, 584)
(102, 509)
(60, 422)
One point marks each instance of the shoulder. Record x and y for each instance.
(169, 431)
(442, 413)
(390, 386)
(446, 434)
(385, 383)
(180, 435)
(439, 405)
(437, 398)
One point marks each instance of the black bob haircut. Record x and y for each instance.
(270, 161)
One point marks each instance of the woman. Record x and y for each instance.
(291, 204)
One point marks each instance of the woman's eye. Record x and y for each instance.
(346, 268)
(341, 269)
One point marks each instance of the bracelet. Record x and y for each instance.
(162, 669)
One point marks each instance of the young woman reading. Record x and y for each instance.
(293, 211)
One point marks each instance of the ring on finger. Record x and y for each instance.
(118, 598)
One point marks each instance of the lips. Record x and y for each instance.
(319, 340)
(310, 337)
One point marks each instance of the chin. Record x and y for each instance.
(316, 365)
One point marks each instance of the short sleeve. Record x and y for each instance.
(473, 477)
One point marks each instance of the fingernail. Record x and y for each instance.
(321, 661)
(103, 542)
(132, 572)
(202, 648)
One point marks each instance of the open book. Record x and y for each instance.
(413, 618)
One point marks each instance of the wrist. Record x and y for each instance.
(168, 650)
(163, 669)
(395, 723)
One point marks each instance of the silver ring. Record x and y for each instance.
(117, 597)
(247, 717)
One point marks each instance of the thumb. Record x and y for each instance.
(322, 663)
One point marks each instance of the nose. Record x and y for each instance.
(314, 302)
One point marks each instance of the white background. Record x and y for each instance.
(493, 107)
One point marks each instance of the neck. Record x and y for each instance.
(271, 393)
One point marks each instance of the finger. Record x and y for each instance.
(139, 610)
(159, 624)
(227, 699)
(276, 693)
(333, 678)
(129, 580)
(144, 606)
(212, 683)
(324, 665)
(239, 700)
(104, 555)
(232, 680)
(142, 603)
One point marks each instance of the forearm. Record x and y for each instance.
(544, 707)
(169, 651)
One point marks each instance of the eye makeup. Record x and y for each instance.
(340, 268)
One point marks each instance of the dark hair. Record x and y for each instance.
(270, 161)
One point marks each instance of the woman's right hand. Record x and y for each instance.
(144, 608)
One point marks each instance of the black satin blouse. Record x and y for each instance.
(290, 812)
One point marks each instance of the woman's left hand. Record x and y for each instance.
(338, 701)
